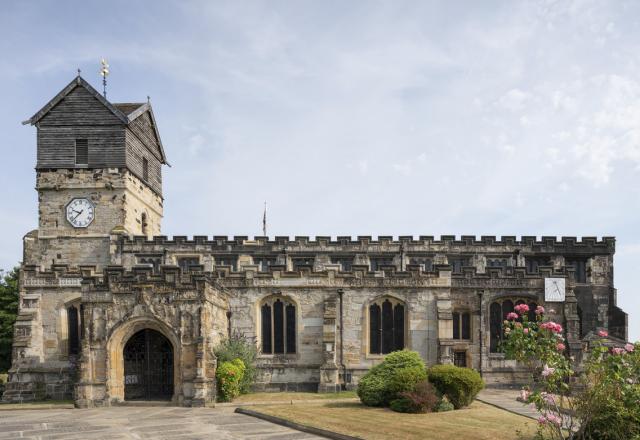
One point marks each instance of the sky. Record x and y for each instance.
(353, 118)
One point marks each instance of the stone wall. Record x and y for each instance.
(190, 312)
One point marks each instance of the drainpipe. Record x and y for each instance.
(229, 314)
(343, 385)
(480, 293)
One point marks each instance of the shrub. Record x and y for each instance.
(228, 377)
(400, 371)
(609, 401)
(371, 390)
(423, 398)
(444, 405)
(240, 347)
(460, 385)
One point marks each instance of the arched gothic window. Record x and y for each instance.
(278, 322)
(498, 312)
(386, 326)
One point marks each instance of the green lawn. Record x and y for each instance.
(479, 421)
(288, 397)
(38, 405)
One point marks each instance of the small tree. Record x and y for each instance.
(8, 314)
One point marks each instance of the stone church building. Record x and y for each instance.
(111, 310)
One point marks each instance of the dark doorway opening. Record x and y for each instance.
(148, 367)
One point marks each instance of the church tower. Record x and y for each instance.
(99, 170)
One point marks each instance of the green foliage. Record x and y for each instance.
(423, 398)
(239, 347)
(460, 385)
(445, 405)
(611, 403)
(229, 375)
(8, 314)
(372, 390)
(400, 371)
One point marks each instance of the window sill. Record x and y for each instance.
(374, 356)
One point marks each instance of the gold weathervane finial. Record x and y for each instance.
(104, 72)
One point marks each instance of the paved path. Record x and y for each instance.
(506, 399)
(141, 423)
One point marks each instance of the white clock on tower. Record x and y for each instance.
(80, 212)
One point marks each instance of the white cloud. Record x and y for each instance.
(514, 100)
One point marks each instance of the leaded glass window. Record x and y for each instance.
(386, 326)
(278, 326)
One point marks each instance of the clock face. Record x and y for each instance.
(80, 213)
(554, 289)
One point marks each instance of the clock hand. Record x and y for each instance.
(81, 211)
(555, 283)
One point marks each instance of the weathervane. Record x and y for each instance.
(104, 72)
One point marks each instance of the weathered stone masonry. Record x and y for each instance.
(322, 311)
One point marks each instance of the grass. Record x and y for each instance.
(289, 396)
(38, 404)
(479, 421)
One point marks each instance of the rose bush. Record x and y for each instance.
(602, 402)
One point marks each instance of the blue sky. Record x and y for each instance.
(354, 118)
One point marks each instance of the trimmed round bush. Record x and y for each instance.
(228, 376)
(399, 372)
(460, 385)
(372, 390)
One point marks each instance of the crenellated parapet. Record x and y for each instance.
(444, 243)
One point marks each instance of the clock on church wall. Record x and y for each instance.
(554, 289)
(80, 212)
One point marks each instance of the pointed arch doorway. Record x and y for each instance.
(148, 366)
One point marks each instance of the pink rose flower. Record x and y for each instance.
(603, 333)
(542, 420)
(548, 398)
(548, 371)
(526, 331)
(552, 418)
(511, 316)
(560, 346)
(618, 350)
(539, 310)
(521, 308)
(552, 326)
(629, 347)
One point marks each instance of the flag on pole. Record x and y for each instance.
(264, 220)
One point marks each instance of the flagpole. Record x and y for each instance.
(264, 220)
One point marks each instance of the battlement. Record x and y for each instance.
(423, 242)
